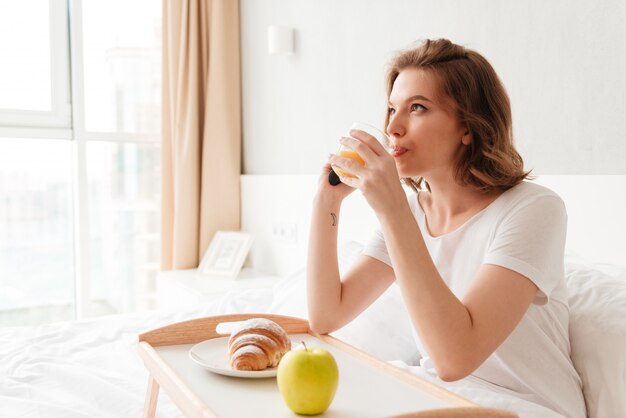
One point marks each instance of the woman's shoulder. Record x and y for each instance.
(528, 192)
(530, 200)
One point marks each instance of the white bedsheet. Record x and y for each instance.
(78, 369)
(91, 368)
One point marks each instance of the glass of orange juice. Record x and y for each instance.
(349, 153)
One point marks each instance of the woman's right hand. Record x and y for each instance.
(325, 189)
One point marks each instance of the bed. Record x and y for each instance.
(90, 368)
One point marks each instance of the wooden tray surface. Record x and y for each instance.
(368, 387)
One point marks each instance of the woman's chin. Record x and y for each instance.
(408, 173)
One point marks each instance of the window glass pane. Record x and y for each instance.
(36, 233)
(122, 65)
(124, 190)
(25, 81)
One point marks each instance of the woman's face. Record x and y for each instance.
(424, 128)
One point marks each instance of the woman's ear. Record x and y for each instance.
(467, 138)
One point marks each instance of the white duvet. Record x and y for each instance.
(90, 368)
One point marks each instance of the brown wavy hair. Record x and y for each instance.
(490, 162)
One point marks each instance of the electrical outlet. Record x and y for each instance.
(285, 231)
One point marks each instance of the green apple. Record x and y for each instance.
(307, 379)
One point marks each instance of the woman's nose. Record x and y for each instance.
(395, 128)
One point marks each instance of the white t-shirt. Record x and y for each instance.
(523, 230)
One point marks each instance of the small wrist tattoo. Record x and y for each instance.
(334, 218)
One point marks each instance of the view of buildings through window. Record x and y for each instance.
(79, 194)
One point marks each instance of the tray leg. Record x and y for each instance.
(152, 395)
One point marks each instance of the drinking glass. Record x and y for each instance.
(353, 155)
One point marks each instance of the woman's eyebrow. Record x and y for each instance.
(416, 97)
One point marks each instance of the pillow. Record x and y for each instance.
(597, 300)
(382, 330)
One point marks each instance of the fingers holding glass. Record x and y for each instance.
(362, 138)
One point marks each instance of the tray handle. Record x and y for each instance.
(195, 330)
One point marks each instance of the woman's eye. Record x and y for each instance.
(417, 106)
(391, 110)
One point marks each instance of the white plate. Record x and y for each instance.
(213, 355)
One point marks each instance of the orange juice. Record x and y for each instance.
(348, 153)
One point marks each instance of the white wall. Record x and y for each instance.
(562, 61)
(276, 209)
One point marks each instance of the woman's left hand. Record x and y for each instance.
(378, 179)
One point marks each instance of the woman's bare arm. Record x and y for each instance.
(458, 334)
(335, 301)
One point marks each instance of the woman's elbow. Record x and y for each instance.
(320, 326)
(318, 329)
(451, 375)
(450, 371)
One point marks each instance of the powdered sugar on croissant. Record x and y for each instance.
(257, 344)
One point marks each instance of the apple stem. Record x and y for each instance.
(305, 347)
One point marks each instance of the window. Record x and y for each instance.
(123, 224)
(34, 67)
(36, 239)
(121, 64)
(79, 173)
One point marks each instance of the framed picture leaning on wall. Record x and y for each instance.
(226, 254)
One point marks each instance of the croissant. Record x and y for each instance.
(257, 344)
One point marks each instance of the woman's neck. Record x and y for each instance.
(448, 204)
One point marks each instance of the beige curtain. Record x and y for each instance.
(201, 127)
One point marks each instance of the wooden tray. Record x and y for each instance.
(368, 387)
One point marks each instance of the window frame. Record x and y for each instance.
(80, 138)
(66, 121)
(57, 122)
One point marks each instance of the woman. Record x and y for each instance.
(476, 251)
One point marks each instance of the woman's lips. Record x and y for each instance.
(398, 151)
